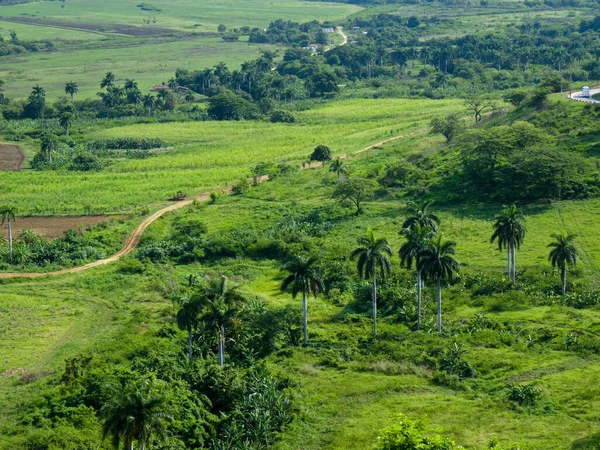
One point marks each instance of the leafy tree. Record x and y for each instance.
(321, 153)
(515, 98)
(134, 413)
(418, 213)
(372, 256)
(509, 231)
(449, 126)
(130, 84)
(563, 254)
(220, 305)
(436, 262)
(417, 237)
(108, 81)
(9, 215)
(36, 104)
(222, 28)
(304, 277)
(71, 88)
(229, 106)
(478, 105)
(337, 166)
(66, 120)
(355, 190)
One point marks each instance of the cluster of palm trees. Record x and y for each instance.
(426, 250)
(213, 307)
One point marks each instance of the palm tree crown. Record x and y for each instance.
(563, 254)
(337, 166)
(418, 214)
(71, 88)
(436, 259)
(417, 237)
(372, 255)
(509, 228)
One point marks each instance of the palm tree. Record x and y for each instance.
(417, 238)
(9, 214)
(148, 102)
(418, 214)
(108, 80)
(436, 262)
(71, 88)
(66, 120)
(304, 277)
(134, 413)
(219, 306)
(337, 166)
(47, 146)
(130, 85)
(371, 256)
(509, 231)
(187, 319)
(563, 253)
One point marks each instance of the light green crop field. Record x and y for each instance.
(149, 63)
(203, 15)
(37, 32)
(210, 155)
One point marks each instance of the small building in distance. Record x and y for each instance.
(328, 30)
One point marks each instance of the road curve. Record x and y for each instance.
(340, 31)
(133, 240)
(577, 96)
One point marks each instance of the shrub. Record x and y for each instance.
(523, 395)
(453, 363)
(410, 434)
(282, 117)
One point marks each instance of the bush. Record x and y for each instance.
(241, 187)
(413, 435)
(283, 117)
(523, 395)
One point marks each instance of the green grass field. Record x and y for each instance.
(210, 155)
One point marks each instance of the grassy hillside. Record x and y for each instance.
(202, 158)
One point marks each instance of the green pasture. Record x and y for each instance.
(148, 62)
(210, 155)
(27, 32)
(177, 15)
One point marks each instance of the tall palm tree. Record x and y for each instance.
(108, 80)
(563, 253)
(219, 305)
(417, 238)
(418, 214)
(134, 413)
(436, 262)
(66, 120)
(71, 88)
(47, 144)
(371, 256)
(130, 84)
(187, 319)
(8, 213)
(510, 232)
(304, 277)
(148, 102)
(337, 166)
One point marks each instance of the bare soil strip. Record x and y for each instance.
(132, 241)
(11, 157)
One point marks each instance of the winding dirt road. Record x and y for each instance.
(133, 240)
(340, 31)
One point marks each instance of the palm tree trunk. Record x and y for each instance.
(439, 305)
(72, 98)
(67, 130)
(304, 311)
(10, 246)
(514, 272)
(190, 344)
(374, 297)
(508, 262)
(418, 299)
(222, 345)
(564, 280)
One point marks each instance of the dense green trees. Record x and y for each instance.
(509, 232)
(371, 259)
(563, 254)
(304, 277)
(135, 413)
(321, 153)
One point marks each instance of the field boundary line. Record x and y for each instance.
(134, 239)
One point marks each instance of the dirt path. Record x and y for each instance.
(11, 157)
(340, 31)
(133, 240)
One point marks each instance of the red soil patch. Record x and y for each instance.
(52, 227)
(11, 157)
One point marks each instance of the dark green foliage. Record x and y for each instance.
(85, 162)
(355, 191)
(453, 363)
(449, 126)
(124, 144)
(229, 106)
(523, 394)
(282, 116)
(321, 153)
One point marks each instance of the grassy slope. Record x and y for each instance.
(209, 155)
